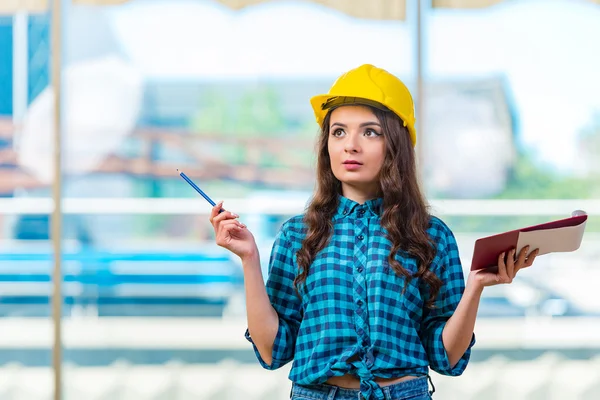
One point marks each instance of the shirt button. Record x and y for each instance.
(359, 269)
(361, 213)
(360, 303)
(345, 212)
(360, 237)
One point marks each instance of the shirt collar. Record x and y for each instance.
(348, 207)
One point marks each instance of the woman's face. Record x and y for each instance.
(356, 148)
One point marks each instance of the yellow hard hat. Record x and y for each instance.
(369, 85)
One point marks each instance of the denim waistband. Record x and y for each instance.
(412, 387)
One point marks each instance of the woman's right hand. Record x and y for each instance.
(231, 233)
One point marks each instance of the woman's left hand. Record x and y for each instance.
(505, 272)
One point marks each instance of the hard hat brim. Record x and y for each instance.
(324, 103)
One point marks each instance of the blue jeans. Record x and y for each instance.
(413, 389)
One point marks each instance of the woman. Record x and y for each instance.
(365, 290)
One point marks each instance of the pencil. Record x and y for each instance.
(192, 184)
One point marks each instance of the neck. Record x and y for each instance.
(359, 195)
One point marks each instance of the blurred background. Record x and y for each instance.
(509, 136)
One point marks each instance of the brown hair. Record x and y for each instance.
(405, 213)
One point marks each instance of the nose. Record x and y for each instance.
(351, 144)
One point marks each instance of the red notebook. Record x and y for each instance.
(556, 236)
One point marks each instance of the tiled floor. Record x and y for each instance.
(548, 377)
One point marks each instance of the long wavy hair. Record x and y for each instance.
(405, 212)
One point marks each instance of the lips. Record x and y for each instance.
(351, 162)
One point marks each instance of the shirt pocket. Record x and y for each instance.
(328, 285)
(395, 295)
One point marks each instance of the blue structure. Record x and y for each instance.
(6, 72)
(122, 283)
(38, 38)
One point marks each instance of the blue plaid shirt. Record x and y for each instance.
(355, 318)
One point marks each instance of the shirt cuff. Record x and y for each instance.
(439, 357)
(282, 352)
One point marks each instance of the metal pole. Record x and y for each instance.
(56, 196)
(419, 108)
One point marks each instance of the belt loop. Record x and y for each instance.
(387, 393)
(432, 391)
(332, 392)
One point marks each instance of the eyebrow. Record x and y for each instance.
(370, 123)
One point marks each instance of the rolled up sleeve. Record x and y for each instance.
(448, 268)
(280, 289)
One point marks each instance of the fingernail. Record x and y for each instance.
(235, 215)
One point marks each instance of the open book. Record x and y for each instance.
(556, 236)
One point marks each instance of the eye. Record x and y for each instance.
(372, 133)
(338, 132)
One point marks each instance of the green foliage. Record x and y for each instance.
(255, 113)
(259, 113)
(214, 116)
(530, 181)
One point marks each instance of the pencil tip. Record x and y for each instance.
(177, 169)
